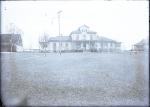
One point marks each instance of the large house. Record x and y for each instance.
(83, 39)
(11, 42)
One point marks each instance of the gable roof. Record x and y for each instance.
(78, 31)
(84, 26)
(142, 42)
(60, 38)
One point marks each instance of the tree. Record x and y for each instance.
(43, 42)
(16, 33)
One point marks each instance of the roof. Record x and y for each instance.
(91, 32)
(84, 26)
(101, 38)
(142, 42)
(58, 38)
(78, 30)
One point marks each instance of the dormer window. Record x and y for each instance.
(83, 30)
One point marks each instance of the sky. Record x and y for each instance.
(125, 21)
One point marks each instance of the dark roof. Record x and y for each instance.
(68, 39)
(101, 38)
(7, 38)
(60, 38)
(91, 32)
(78, 32)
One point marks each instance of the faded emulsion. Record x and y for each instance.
(60, 54)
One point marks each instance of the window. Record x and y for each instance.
(111, 44)
(78, 45)
(84, 45)
(105, 45)
(60, 43)
(77, 37)
(91, 38)
(66, 45)
(54, 44)
(83, 30)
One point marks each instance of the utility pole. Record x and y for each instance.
(59, 30)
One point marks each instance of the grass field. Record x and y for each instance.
(75, 79)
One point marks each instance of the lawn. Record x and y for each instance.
(75, 79)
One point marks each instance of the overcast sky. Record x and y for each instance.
(124, 21)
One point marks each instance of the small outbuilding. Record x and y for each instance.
(11, 42)
(143, 45)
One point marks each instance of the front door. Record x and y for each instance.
(84, 46)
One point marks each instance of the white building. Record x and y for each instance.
(83, 39)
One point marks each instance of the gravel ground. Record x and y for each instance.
(75, 79)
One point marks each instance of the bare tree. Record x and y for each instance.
(15, 35)
(43, 42)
